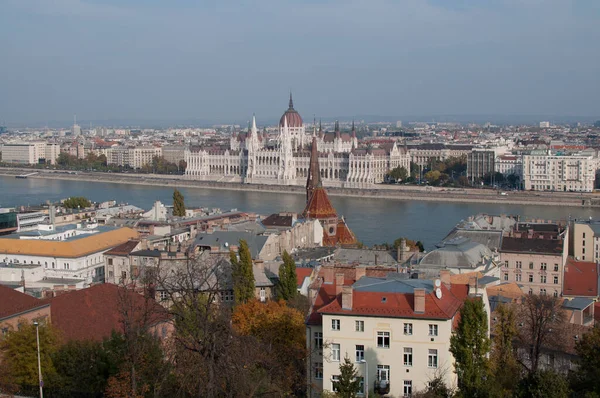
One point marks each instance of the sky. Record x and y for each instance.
(223, 60)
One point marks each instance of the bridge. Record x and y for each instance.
(27, 175)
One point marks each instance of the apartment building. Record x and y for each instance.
(30, 152)
(480, 162)
(395, 329)
(135, 158)
(424, 154)
(545, 172)
(586, 240)
(534, 256)
(509, 165)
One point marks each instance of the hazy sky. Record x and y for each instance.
(225, 59)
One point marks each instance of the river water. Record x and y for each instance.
(372, 220)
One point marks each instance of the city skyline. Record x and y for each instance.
(146, 62)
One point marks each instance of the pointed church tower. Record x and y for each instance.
(314, 177)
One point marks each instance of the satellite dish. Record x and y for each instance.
(438, 293)
(226, 244)
(438, 283)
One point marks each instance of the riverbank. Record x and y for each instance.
(395, 192)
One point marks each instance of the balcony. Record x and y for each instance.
(381, 387)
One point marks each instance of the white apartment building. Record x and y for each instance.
(78, 257)
(586, 240)
(396, 331)
(509, 165)
(559, 173)
(135, 158)
(30, 152)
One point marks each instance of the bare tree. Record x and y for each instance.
(541, 321)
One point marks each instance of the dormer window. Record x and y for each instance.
(384, 299)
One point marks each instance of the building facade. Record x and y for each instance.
(545, 172)
(30, 153)
(251, 158)
(480, 163)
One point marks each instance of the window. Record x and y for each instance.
(359, 326)
(383, 339)
(407, 356)
(227, 296)
(542, 292)
(124, 275)
(555, 279)
(318, 370)
(543, 266)
(530, 277)
(518, 277)
(432, 359)
(506, 276)
(408, 329)
(383, 373)
(360, 353)
(263, 294)
(584, 236)
(506, 263)
(519, 264)
(164, 295)
(433, 330)
(361, 385)
(110, 261)
(531, 265)
(542, 278)
(334, 380)
(555, 294)
(583, 250)
(335, 352)
(407, 388)
(335, 324)
(319, 340)
(555, 267)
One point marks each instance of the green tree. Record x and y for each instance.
(242, 274)
(543, 384)
(348, 385)
(503, 362)
(585, 380)
(287, 285)
(75, 202)
(18, 350)
(470, 345)
(178, 204)
(399, 173)
(432, 176)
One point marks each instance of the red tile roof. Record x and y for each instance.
(93, 313)
(344, 235)
(319, 206)
(13, 302)
(123, 249)
(580, 279)
(397, 305)
(301, 274)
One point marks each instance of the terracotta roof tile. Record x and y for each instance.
(93, 313)
(319, 206)
(580, 279)
(13, 302)
(302, 273)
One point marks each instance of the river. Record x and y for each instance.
(372, 220)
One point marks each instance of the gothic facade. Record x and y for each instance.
(250, 159)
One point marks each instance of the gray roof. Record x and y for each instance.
(393, 283)
(224, 239)
(263, 276)
(492, 239)
(488, 222)
(365, 256)
(247, 226)
(577, 303)
(457, 253)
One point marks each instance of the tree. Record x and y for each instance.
(470, 345)
(503, 362)
(542, 322)
(178, 204)
(436, 388)
(287, 285)
(584, 380)
(348, 385)
(543, 384)
(398, 173)
(75, 202)
(19, 356)
(242, 274)
(432, 176)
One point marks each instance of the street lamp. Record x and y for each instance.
(366, 383)
(37, 335)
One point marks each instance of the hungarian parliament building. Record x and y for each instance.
(250, 158)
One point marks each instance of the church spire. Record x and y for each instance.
(337, 129)
(291, 101)
(254, 129)
(314, 173)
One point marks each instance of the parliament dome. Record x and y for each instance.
(293, 117)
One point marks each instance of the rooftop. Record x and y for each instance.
(537, 246)
(580, 279)
(14, 302)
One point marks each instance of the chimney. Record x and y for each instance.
(445, 277)
(419, 305)
(260, 264)
(339, 283)
(402, 251)
(328, 274)
(347, 298)
(360, 272)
